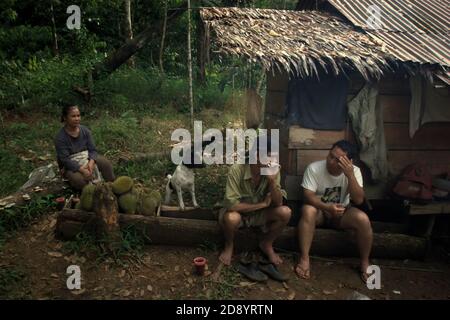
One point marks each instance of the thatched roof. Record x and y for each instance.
(297, 41)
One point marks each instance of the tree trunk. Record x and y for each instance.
(163, 38)
(193, 232)
(128, 27)
(54, 34)
(106, 213)
(201, 53)
(191, 94)
(127, 50)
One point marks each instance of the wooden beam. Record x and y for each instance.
(432, 208)
(302, 138)
(190, 232)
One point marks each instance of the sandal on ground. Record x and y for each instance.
(251, 272)
(273, 272)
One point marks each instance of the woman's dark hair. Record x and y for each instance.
(347, 147)
(65, 110)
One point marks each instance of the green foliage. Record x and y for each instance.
(224, 289)
(24, 41)
(10, 278)
(17, 217)
(129, 248)
(17, 172)
(39, 82)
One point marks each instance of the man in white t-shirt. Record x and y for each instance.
(328, 187)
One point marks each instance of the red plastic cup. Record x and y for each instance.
(200, 264)
(60, 202)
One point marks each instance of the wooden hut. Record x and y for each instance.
(333, 37)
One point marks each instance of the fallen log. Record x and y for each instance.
(211, 214)
(21, 197)
(140, 156)
(193, 232)
(188, 213)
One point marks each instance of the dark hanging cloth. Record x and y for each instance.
(318, 103)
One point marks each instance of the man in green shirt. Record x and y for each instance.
(253, 199)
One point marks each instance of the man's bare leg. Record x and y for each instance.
(306, 228)
(357, 220)
(230, 224)
(277, 219)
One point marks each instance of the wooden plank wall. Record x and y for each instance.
(300, 146)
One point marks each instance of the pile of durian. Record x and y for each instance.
(132, 198)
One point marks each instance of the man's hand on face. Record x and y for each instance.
(271, 171)
(346, 166)
(335, 209)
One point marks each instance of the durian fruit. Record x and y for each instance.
(156, 195)
(78, 205)
(128, 201)
(87, 196)
(148, 202)
(122, 185)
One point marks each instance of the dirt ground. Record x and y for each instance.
(167, 273)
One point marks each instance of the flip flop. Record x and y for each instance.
(273, 272)
(305, 273)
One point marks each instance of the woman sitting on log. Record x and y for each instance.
(76, 154)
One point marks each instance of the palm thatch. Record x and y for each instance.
(297, 41)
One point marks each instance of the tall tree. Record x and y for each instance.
(202, 50)
(128, 49)
(191, 95)
(128, 26)
(54, 34)
(163, 37)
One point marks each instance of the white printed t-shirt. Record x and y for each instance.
(330, 188)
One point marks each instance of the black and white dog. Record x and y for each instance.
(183, 178)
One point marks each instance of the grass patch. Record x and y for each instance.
(224, 289)
(14, 172)
(10, 280)
(14, 218)
(129, 249)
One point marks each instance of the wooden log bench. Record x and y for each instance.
(199, 226)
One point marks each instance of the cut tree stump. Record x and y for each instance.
(106, 212)
(194, 232)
